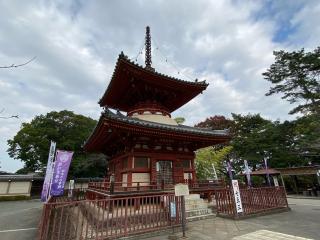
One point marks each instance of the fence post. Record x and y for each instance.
(183, 215)
(126, 218)
(111, 187)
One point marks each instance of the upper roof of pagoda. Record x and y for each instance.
(132, 84)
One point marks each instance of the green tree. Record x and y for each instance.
(256, 138)
(180, 120)
(307, 132)
(69, 130)
(297, 75)
(216, 122)
(248, 141)
(205, 157)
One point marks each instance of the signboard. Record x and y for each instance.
(173, 212)
(237, 197)
(181, 190)
(48, 176)
(60, 173)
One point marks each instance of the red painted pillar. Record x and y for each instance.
(153, 171)
(194, 177)
(130, 167)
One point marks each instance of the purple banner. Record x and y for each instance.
(60, 173)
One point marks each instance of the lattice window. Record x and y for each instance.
(164, 172)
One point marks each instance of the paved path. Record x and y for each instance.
(19, 219)
(302, 222)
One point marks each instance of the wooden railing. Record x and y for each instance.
(108, 187)
(108, 218)
(254, 200)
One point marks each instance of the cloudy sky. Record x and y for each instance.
(76, 44)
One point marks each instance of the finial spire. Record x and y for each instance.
(148, 60)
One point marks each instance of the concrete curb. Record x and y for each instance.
(302, 197)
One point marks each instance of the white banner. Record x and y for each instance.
(247, 170)
(275, 181)
(49, 172)
(237, 197)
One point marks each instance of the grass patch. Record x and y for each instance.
(14, 198)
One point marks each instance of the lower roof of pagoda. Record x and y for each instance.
(114, 129)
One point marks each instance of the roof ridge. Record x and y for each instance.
(181, 128)
(196, 82)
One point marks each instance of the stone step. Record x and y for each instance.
(198, 212)
(194, 201)
(192, 197)
(201, 217)
(196, 206)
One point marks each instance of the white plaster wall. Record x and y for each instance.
(3, 187)
(19, 187)
(76, 185)
(156, 118)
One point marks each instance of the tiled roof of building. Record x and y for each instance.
(177, 128)
(195, 86)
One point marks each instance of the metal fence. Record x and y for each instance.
(254, 200)
(108, 218)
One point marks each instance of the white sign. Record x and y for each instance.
(275, 181)
(247, 170)
(71, 187)
(181, 190)
(318, 173)
(71, 184)
(173, 210)
(214, 172)
(237, 197)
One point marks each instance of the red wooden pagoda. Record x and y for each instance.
(147, 145)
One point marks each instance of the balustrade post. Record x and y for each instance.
(112, 184)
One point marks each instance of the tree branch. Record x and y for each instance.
(13, 116)
(19, 65)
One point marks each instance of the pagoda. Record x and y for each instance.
(145, 144)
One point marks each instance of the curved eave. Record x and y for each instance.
(100, 135)
(191, 88)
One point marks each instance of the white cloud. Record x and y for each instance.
(228, 43)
